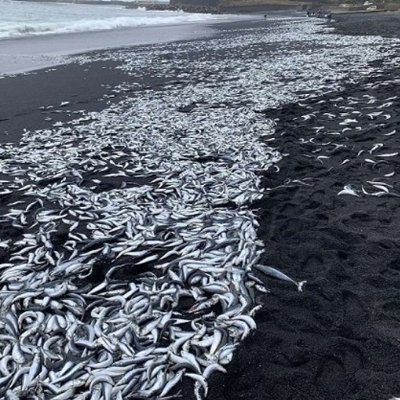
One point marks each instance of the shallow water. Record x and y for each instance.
(22, 19)
(32, 53)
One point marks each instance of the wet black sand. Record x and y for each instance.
(33, 101)
(23, 97)
(339, 338)
(88, 87)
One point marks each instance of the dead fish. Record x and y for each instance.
(279, 275)
(348, 189)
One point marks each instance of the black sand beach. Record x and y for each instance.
(339, 338)
(88, 87)
(377, 23)
(32, 101)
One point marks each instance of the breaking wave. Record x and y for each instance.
(20, 19)
(21, 30)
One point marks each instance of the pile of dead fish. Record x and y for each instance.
(123, 289)
(128, 249)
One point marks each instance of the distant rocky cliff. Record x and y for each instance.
(220, 6)
(197, 5)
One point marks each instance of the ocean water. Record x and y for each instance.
(21, 19)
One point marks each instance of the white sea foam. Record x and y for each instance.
(21, 19)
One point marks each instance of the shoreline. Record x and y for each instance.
(228, 9)
(165, 6)
(92, 84)
(337, 338)
(27, 54)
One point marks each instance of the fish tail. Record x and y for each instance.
(300, 285)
